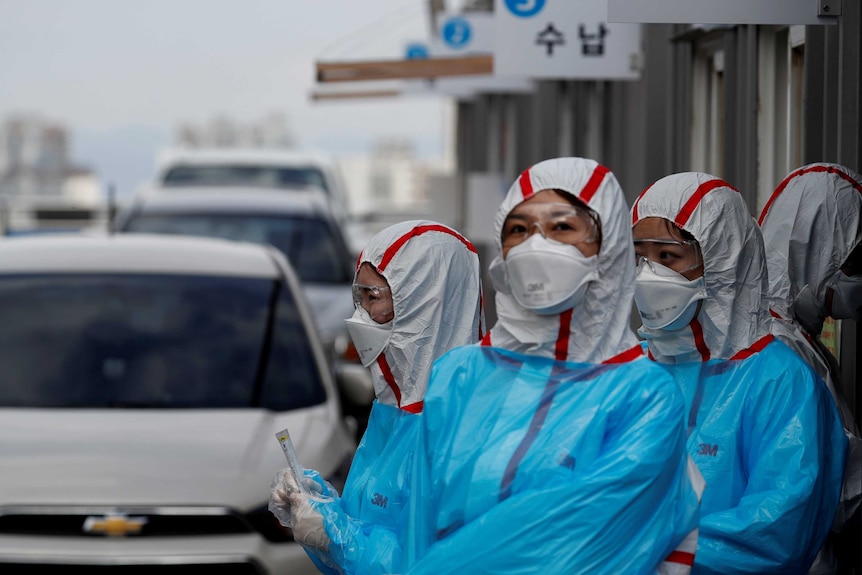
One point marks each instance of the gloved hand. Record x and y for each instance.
(296, 510)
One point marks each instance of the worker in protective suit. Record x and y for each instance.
(812, 233)
(554, 446)
(761, 425)
(417, 294)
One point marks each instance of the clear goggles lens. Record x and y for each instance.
(376, 300)
(564, 223)
(678, 255)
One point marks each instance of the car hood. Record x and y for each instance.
(330, 306)
(153, 457)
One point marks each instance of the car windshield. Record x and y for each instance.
(316, 251)
(244, 175)
(153, 341)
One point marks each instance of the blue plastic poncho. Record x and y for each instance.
(433, 274)
(528, 465)
(532, 457)
(365, 523)
(773, 481)
(764, 431)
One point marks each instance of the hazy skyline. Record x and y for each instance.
(122, 76)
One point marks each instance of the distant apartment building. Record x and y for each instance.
(390, 184)
(39, 183)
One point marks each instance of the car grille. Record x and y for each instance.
(121, 521)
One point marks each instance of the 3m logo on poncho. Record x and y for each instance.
(707, 449)
(568, 461)
(379, 500)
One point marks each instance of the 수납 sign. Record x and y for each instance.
(563, 39)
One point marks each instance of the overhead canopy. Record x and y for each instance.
(405, 69)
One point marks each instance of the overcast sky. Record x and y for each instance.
(122, 74)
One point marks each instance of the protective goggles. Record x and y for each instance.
(564, 223)
(376, 300)
(678, 255)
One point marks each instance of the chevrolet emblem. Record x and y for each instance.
(114, 525)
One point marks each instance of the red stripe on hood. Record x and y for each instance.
(526, 184)
(418, 231)
(689, 207)
(593, 184)
(802, 172)
(561, 350)
(635, 216)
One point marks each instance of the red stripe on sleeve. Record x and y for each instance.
(486, 341)
(414, 407)
(699, 342)
(681, 557)
(689, 207)
(593, 184)
(526, 184)
(561, 351)
(756, 347)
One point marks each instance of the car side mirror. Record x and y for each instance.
(355, 383)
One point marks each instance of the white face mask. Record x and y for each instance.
(666, 299)
(369, 337)
(544, 276)
(847, 299)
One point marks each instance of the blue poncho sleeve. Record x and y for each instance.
(623, 511)
(366, 523)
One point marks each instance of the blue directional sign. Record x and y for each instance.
(416, 51)
(525, 8)
(456, 32)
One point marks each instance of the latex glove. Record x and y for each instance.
(307, 523)
(296, 510)
(279, 505)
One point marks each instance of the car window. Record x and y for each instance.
(161, 341)
(244, 175)
(313, 246)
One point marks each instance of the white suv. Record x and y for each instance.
(142, 382)
(252, 168)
